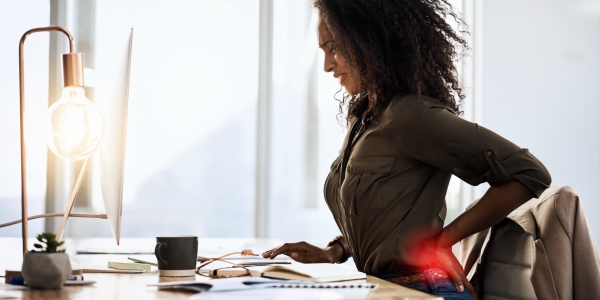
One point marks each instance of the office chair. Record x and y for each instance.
(544, 249)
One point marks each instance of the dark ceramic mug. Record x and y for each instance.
(176, 255)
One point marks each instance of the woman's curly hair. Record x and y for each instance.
(397, 47)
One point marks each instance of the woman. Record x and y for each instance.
(386, 190)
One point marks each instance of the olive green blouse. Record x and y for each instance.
(387, 188)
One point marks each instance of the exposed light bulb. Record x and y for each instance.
(76, 125)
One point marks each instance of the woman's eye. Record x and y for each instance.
(332, 49)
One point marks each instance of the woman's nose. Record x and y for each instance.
(328, 63)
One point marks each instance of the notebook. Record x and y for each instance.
(91, 268)
(219, 285)
(249, 283)
(129, 266)
(306, 272)
(318, 291)
(214, 267)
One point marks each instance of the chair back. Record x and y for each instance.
(507, 264)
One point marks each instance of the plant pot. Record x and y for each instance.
(46, 270)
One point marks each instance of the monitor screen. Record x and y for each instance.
(115, 93)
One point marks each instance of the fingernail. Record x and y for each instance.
(460, 288)
(294, 255)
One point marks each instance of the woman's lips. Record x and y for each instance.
(341, 79)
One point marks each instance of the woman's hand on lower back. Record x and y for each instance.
(306, 253)
(450, 264)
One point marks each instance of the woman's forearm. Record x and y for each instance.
(494, 206)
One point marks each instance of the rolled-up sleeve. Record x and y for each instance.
(433, 134)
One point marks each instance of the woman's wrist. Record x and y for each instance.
(336, 252)
(341, 252)
(444, 239)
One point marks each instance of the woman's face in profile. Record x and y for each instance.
(335, 61)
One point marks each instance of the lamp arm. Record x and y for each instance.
(100, 216)
(63, 222)
(22, 124)
(50, 29)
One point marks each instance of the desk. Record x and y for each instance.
(134, 286)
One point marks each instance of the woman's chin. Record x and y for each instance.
(350, 91)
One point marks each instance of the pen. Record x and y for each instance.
(19, 280)
(139, 261)
(75, 278)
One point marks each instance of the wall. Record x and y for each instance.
(541, 86)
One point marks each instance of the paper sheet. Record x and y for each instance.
(288, 293)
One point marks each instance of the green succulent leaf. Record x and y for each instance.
(48, 243)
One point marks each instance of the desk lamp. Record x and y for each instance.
(75, 127)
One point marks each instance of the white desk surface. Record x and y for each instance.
(134, 286)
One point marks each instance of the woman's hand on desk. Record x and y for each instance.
(306, 253)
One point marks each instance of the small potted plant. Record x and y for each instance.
(46, 267)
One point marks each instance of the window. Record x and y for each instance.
(16, 19)
(192, 119)
(190, 153)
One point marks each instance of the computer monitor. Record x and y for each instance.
(115, 94)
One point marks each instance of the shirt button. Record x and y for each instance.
(489, 153)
